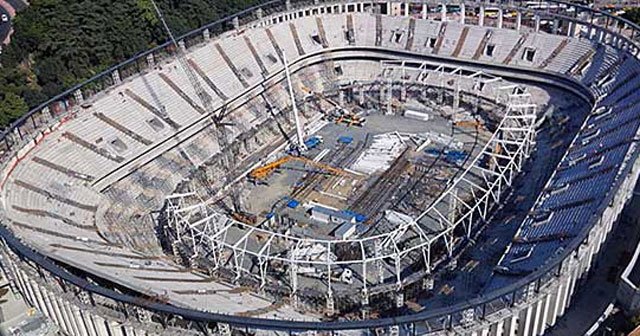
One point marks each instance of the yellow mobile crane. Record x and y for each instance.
(263, 172)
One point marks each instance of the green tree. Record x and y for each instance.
(11, 108)
(57, 44)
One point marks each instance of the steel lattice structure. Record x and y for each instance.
(219, 238)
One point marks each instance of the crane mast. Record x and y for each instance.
(207, 104)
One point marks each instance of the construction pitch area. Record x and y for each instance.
(351, 175)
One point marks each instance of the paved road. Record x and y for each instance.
(5, 27)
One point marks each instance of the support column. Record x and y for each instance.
(115, 75)
(500, 18)
(518, 21)
(72, 319)
(151, 60)
(424, 11)
(481, 16)
(556, 26)
(463, 13)
(537, 20)
(78, 96)
(443, 12)
(88, 323)
(406, 9)
(206, 34)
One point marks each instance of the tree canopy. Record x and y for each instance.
(57, 44)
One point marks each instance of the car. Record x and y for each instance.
(5, 18)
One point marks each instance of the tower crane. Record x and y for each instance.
(207, 104)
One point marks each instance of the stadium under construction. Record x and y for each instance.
(400, 168)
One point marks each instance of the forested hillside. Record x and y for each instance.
(58, 43)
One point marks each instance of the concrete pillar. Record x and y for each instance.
(99, 324)
(182, 45)
(463, 13)
(63, 320)
(259, 13)
(31, 297)
(78, 96)
(406, 9)
(88, 322)
(424, 11)
(115, 75)
(68, 307)
(56, 316)
(537, 314)
(115, 328)
(500, 17)
(481, 16)
(518, 21)
(206, 34)
(556, 26)
(39, 300)
(236, 23)
(537, 20)
(443, 11)
(287, 5)
(151, 60)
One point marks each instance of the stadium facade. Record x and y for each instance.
(76, 248)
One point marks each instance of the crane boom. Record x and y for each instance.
(264, 171)
(205, 99)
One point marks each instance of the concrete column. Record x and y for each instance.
(78, 96)
(463, 13)
(406, 9)
(259, 13)
(115, 75)
(537, 314)
(424, 11)
(39, 300)
(518, 21)
(63, 320)
(481, 16)
(287, 5)
(526, 321)
(537, 19)
(206, 34)
(565, 297)
(151, 60)
(115, 328)
(500, 17)
(88, 323)
(556, 26)
(30, 293)
(99, 323)
(56, 315)
(75, 324)
(443, 12)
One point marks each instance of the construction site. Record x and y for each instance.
(368, 167)
(347, 173)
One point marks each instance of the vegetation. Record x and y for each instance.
(632, 14)
(59, 43)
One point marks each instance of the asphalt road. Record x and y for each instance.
(5, 27)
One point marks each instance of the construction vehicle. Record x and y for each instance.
(468, 123)
(263, 172)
